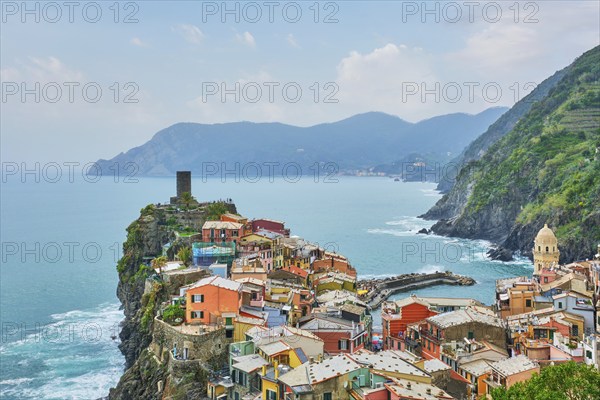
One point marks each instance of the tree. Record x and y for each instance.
(185, 255)
(187, 199)
(173, 312)
(215, 210)
(159, 263)
(569, 381)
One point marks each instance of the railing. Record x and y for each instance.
(427, 335)
(412, 342)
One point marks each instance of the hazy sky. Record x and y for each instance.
(89, 80)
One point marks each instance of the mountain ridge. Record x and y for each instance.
(357, 142)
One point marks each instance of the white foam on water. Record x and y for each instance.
(73, 357)
(409, 224)
(431, 269)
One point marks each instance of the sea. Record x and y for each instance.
(61, 239)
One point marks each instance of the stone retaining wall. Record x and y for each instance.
(211, 347)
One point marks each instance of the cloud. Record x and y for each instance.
(50, 69)
(138, 42)
(191, 33)
(9, 74)
(292, 40)
(377, 80)
(509, 50)
(246, 38)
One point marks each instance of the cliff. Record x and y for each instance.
(147, 375)
(545, 170)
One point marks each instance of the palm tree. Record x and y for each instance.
(185, 255)
(159, 262)
(187, 199)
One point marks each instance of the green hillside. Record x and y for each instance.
(546, 170)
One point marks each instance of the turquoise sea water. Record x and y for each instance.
(60, 243)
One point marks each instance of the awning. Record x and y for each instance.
(503, 296)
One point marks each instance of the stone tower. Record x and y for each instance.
(184, 183)
(545, 250)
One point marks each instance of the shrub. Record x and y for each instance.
(172, 312)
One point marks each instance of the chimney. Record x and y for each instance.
(311, 360)
(428, 390)
(264, 370)
(276, 370)
(408, 385)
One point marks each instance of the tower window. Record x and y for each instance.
(547, 248)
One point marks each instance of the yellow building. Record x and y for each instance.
(242, 324)
(282, 357)
(545, 250)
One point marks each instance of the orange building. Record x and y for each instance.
(334, 262)
(222, 231)
(238, 219)
(209, 298)
(397, 315)
(510, 371)
(515, 296)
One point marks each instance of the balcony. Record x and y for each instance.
(430, 336)
(412, 343)
(257, 303)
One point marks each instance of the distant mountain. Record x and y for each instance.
(545, 170)
(361, 141)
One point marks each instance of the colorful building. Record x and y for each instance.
(510, 371)
(339, 335)
(222, 231)
(397, 315)
(210, 298)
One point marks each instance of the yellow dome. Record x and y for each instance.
(546, 236)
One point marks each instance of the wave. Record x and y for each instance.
(430, 269)
(75, 356)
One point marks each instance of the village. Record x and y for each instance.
(296, 323)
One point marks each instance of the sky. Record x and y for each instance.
(88, 80)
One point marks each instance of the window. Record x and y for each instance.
(343, 344)
(470, 335)
(547, 248)
(271, 395)
(327, 396)
(575, 330)
(198, 298)
(545, 279)
(197, 314)
(527, 303)
(560, 304)
(588, 354)
(234, 233)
